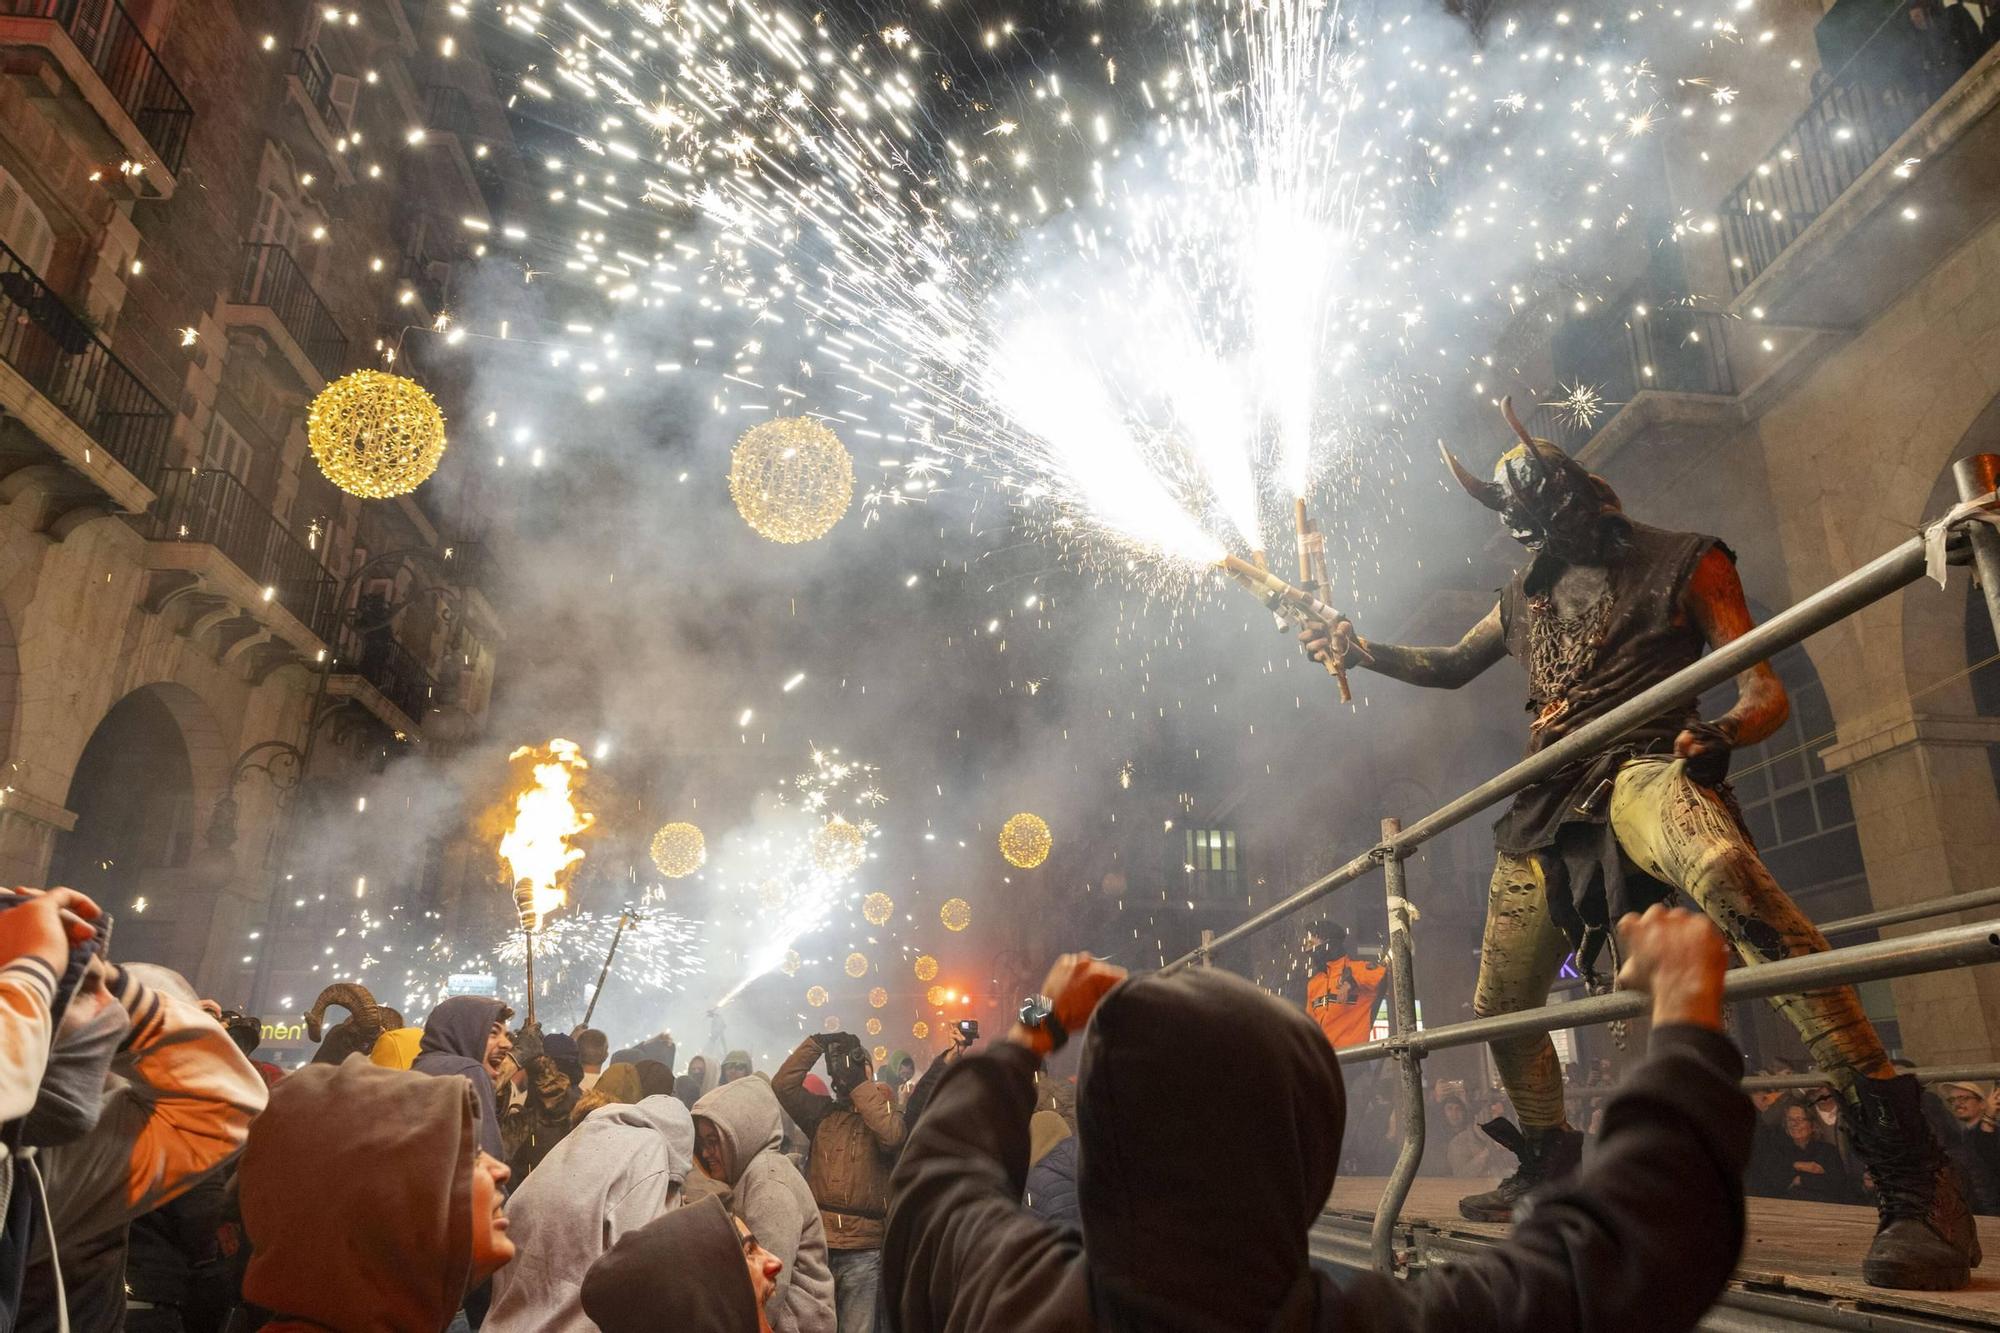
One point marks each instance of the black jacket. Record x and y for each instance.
(1645, 1237)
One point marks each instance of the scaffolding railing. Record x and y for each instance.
(1930, 951)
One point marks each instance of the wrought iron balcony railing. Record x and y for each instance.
(1629, 346)
(214, 508)
(51, 347)
(316, 77)
(1880, 92)
(131, 70)
(270, 277)
(447, 110)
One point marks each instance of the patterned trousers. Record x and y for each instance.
(1682, 834)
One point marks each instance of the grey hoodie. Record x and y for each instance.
(771, 1195)
(619, 1169)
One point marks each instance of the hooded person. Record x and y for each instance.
(1646, 1238)
(618, 1085)
(562, 1048)
(690, 1086)
(695, 1270)
(466, 1035)
(655, 1079)
(735, 1065)
(739, 1137)
(367, 1202)
(617, 1170)
(1051, 1191)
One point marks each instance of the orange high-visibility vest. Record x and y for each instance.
(1342, 999)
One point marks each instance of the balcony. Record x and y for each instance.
(121, 81)
(273, 293)
(1885, 174)
(238, 571)
(66, 394)
(1650, 363)
(374, 669)
(426, 277)
(447, 110)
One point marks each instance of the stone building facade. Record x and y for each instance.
(210, 209)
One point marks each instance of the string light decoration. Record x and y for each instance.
(375, 435)
(874, 1027)
(936, 996)
(876, 907)
(857, 965)
(838, 847)
(926, 967)
(1025, 840)
(791, 478)
(956, 914)
(832, 1023)
(881, 1054)
(920, 1030)
(679, 850)
(817, 996)
(877, 998)
(792, 962)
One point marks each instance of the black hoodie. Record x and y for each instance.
(1197, 1194)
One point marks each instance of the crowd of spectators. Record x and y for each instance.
(472, 1172)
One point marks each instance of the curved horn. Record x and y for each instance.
(1507, 411)
(349, 995)
(1486, 492)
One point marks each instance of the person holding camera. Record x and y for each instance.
(855, 1135)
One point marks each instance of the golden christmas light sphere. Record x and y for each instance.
(956, 914)
(679, 850)
(920, 1030)
(772, 892)
(817, 996)
(876, 907)
(874, 1027)
(832, 1023)
(935, 996)
(791, 479)
(881, 1053)
(926, 967)
(790, 966)
(877, 998)
(375, 435)
(857, 965)
(838, 847)
(1025, 840)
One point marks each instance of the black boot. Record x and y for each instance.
(1546, 1154)
(1926, 1240)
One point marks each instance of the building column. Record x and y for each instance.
(28, 829)
(1928, 817)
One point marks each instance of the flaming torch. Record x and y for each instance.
(539, 846)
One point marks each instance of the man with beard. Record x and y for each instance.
(1605, 609)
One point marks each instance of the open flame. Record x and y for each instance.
(539, 849)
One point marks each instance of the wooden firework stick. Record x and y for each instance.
(605, 971)
(1313, 579)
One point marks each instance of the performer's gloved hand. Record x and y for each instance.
(1321, 640)
(1678, 957)
(1707, 747)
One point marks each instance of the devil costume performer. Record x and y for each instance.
(1606, 609)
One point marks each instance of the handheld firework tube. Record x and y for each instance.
(1313, 579)
(1294, 604)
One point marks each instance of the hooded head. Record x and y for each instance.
(733, 1124)
(561, 1048)
(1548, 500)
(1169, 1247)
(688, 1270)
(735, 1065)
(462, 1027)
(655, 1079)
(384, 1235)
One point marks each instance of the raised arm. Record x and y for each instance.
(1713, 600)
(805, 1108)
(1433, 668)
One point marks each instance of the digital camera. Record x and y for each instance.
(846, 1064)
(968, 1028)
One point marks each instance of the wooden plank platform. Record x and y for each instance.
(1809, 1250)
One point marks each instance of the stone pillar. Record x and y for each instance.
(1928, 817)
(28, 830)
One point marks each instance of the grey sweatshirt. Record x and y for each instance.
(771, 1195)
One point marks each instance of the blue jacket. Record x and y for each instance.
(1051, 1192)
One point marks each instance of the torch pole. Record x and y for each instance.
(605, 971)
(529, 936)
(524, 906)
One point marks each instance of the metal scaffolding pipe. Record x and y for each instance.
(1886, 573)
(1896, 916)
(1929, 1074)
(1932, 951)
(1974, 477)
(1403, 1007)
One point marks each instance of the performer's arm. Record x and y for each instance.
(1713, 599)
(1436, 668)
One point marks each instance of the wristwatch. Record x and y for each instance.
(1038, 1014)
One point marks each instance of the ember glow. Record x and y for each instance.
(540, 848)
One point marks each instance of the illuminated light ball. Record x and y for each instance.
(926, 967)
(375, 435)
(880, 1053)
(920, 1030)
(857, 965)
(679, 850)
(874, 1027)
(876, 907)
(791, 478)
(817, 996)
(956, 914)
(838, 847)
(792, 962)
(936, 996)
(832, 1023)
(877, 998)
(1025, 840)
(771, 892)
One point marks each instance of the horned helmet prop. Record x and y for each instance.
(1548, 500)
